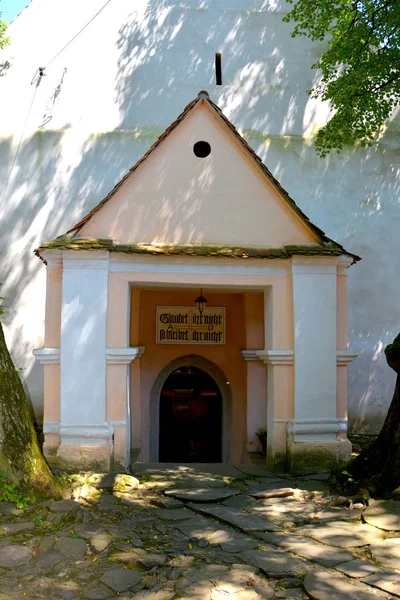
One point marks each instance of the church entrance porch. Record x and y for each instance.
(190, 417)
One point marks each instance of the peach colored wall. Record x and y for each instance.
(52, 330)
(116, 392)
(52, 335)
(284, 392)
(341, 395)
(342, 312)
(254, 311)
(256, 372)
(176, 197)
(52, 392)
(279, 330)
(226, 357)
(118, 296)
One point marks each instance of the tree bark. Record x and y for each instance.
(379, 465)
(20, 456)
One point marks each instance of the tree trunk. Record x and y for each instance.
(20, 455)
(379, 464)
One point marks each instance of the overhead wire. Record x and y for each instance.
(36, 79)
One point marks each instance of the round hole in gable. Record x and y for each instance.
(202, 149)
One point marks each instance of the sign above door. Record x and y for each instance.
(185, 325)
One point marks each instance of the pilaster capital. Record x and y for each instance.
(344, 263)
(124, 356)
(52, 257)
(310, 265)
(47, 356)
(345, 357)
(276, 357)
(85, 259)
(250, 355)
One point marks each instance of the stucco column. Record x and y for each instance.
(123, 371)
(278, 356)
(313, 441)
(118, 401)
(256, 399)
(49, 355)
(84, 431)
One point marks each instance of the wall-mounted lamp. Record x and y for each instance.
(201, 302)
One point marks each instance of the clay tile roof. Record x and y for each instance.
(203, 96)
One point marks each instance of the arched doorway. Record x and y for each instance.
(190, 417)
(222, 385)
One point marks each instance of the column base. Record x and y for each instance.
(78, 458)
(80, 447)
(313, 457)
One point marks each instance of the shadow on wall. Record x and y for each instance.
(165, 56)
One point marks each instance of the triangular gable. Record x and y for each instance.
(172, 199)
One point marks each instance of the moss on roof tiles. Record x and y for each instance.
(70, 243)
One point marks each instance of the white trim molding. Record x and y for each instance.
(124, 356)
(314, 430)
(138, 263)
(345, 357)
(309, 426)
(249, 354)
(276, 357)
(47, 356)
(85, 259)
(85, 435)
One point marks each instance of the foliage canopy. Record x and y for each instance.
(360, 69)
(4, 40)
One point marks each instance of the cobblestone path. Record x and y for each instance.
(200, 533)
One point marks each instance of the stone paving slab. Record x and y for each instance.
(274, 564)
(388, 581)
(384, 514)
(173, 514)
(283, 510)
(387, 552)
(358, 568)
(100, 541)
(12, 556)
(120, 580)
(168, 503)
(341, 533)
(72, 549)
(236, 517)
(328, 586)
(12, 528)
(7, 508)
(329, 556)
(232, 541)
(203, 494)
(64, 506)
(273, 492)
(242, 501)
(337, 514)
